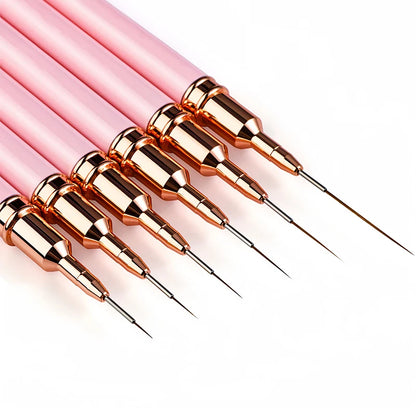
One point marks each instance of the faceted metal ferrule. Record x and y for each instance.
(213, 106)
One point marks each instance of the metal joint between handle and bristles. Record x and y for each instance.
(208, 269)
(249, 243)
(120, 310)
(159, 285)
(166, 292)
(313, 181)
(240, 236)
(126, 315)
(198, 261)
(277, 210)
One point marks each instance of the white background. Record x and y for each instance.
(335, 83)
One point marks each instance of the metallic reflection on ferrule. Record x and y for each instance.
(177, 132)
(139, 156)
(100, 178)
(22, 226)
(213, 106)
(61, 201)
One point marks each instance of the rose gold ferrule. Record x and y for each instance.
(22, 226)
(60, 200)
(139, 155)
(177, 132)
(100, 178)
(213, 106)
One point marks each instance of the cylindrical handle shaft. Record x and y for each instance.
(144, 52)
(84, 57)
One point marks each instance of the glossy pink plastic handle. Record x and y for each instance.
(87, 59)
(6, 190)
(20, 164)
(134, 45)
(40, 127)
(59, 89)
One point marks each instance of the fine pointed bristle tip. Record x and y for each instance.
(287, 218)
(269, 260)
(367, 221)
(405, 249)
(226, 284)
(138, 326)
(125, 314)
(184, 307)
(313, 238)
(322, 188)
(287, 275)
(208, 269)
(250, 244)
(290, 277)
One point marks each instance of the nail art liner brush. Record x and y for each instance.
(21, 225)
(165, 291)
(322, 188)
(126, 315)
(249, 243)
(208, 269)
(211, 103)
(290, 221)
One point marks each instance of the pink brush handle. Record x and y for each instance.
(134, 45)
(21, 165)
(58, 89)
(87, 59)
(6, 190)
(40, 127)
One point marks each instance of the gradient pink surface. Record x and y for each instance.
(134, 45)
(40, 127)
(87, 59)
(6, 190)
(20, 164)
(59, 89)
